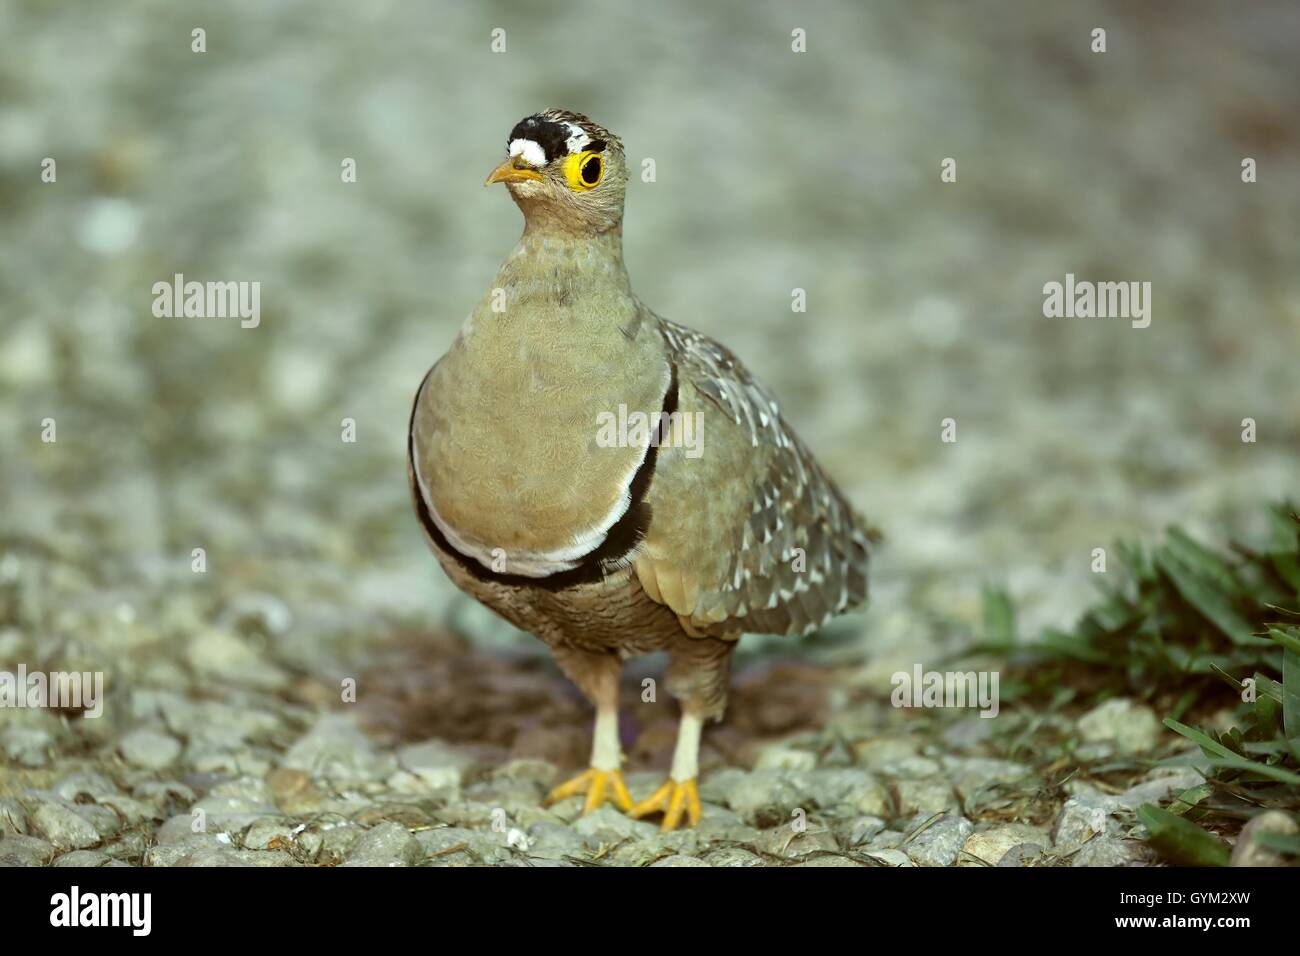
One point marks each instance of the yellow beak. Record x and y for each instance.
(508, 172)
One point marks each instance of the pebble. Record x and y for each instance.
(1084, 816)
(62, 826)
(82, 858)
(335, 750)
(989, 846)
(13, 817)
(20, 850)
(930, 795)
(938, 843)
(1129, 726)
(786, 842)
(1248, 852)
(609, 824)
(387, 844)
(1106, 850)
(864, 829)
(92, 785)
(851, 789)
(149, 749)
(462, 846)
(890, 857)
(767, 798)
(778, 757)
(224, 656)
(435, 763)
(27, 746)
(733, 856)
(679, 860)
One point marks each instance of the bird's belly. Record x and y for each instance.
(611, 615)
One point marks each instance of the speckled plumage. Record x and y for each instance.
(521, 503)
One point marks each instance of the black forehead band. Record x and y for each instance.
(553, 137)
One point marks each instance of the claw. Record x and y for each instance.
(597, 785)
(674, 799)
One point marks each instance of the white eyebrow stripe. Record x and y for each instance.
(578, 139)
(532, 152)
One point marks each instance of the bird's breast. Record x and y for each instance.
(512, 449)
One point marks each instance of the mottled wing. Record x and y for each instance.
(751, 535)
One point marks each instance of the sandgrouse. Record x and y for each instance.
(677, 537)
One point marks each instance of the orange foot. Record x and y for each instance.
(597, 785)
(674, 799)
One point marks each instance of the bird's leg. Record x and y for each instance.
(596, 676)
(679, 794)
(697, 675)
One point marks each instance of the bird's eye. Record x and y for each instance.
(583, 170)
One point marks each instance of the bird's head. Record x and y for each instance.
(565, 172)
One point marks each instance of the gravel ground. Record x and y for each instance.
(225, 690)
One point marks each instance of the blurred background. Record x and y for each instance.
(775, 170)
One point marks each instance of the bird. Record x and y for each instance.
(544, 496)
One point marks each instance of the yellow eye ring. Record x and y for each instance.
(584, 170)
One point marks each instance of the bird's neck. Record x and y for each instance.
(564, 269)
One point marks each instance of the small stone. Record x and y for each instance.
(82, 858)
(716, 785)
(864, 829)
(781, 757)
(227, 856)
(176, 829)
(268, 834)
(1248, 851)
(733, 856)
(1131, 727)
(929, 796)
(27, 746)
(890, 857)
(13, 818)
(609, 824)
(174, 850)
(1022, 855)
(1106, 851)
(544, 775)
(460, 846)
(1084, 816)
(62, 826)
(128, 809)
(767, 798)
(679, 860)
(230, 812)
(335, 750)
(939, 843)
(787, 842)
(975, 777)
(554, 841)
(219, 654)
(93, 785)
(883, 753)
(292, 790)
(886, 840)
(387, 844)
(106, 822)
(149, 749)
(828, 859)
(991, 845)
(435, 764)
(25, 851)
(851, 788)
